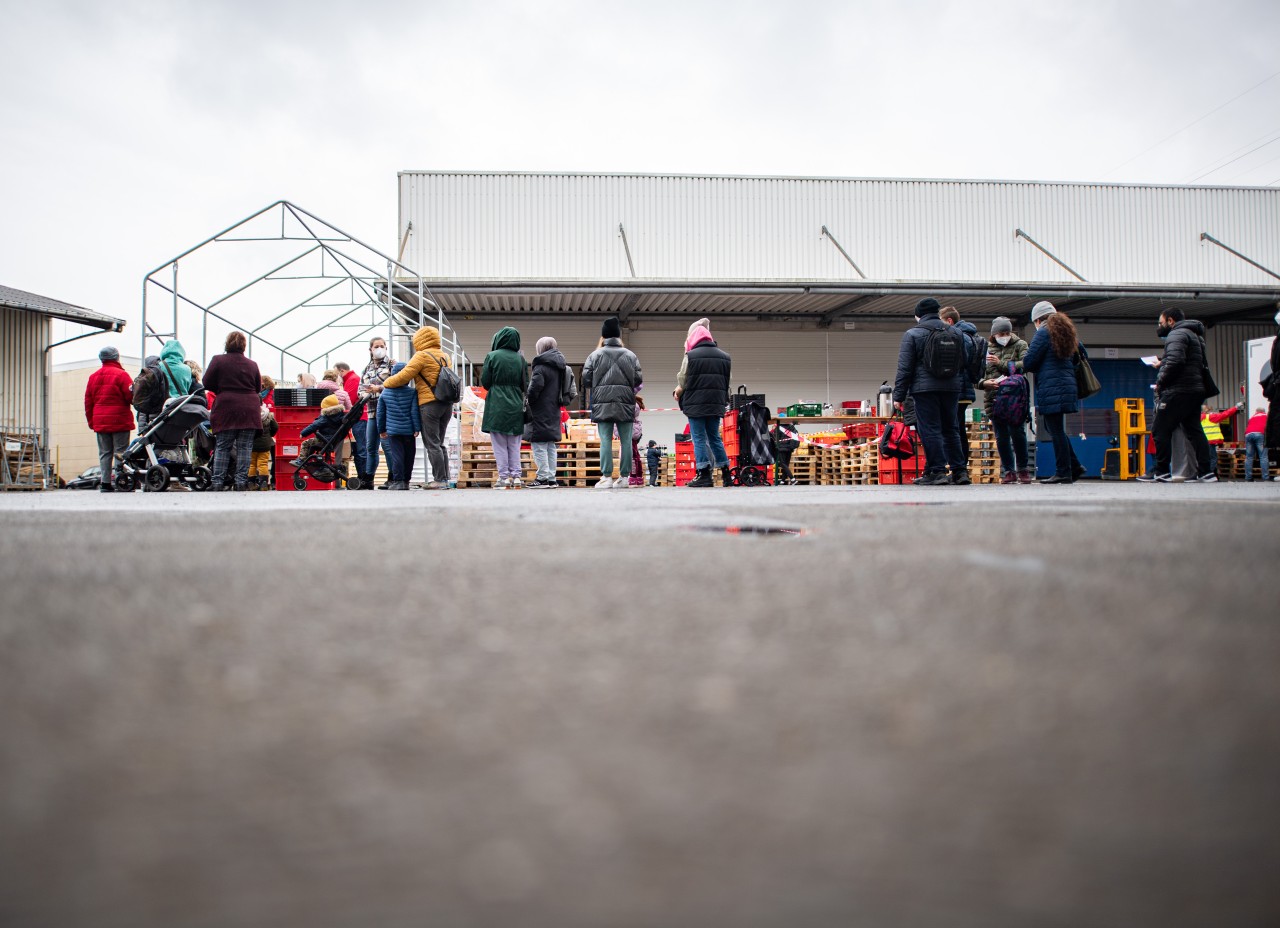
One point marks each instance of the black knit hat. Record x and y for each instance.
(927, 305)
(612, 328)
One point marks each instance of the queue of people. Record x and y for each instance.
(941, 360)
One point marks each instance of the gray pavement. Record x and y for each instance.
(960, 707)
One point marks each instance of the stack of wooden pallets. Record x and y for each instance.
(984, 460)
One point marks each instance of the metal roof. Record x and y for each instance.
(825, 303)
(47, 306)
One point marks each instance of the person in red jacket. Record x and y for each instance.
(108, 399)
(1255, 445)
(359, 434)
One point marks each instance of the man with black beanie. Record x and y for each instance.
(931, 371)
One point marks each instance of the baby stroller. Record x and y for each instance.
(755, 447)
(320, 464)
(159, 453)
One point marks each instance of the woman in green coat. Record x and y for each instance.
(506, 376)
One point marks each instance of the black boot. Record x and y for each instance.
(702, 480)
(726, 476)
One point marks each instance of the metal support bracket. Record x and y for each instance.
(1206, 237)
(1018, 233)
(627, 247)
(853, 264)
(832, 315)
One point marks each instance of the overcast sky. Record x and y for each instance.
(132, 130)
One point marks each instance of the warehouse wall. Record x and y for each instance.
(490, 225)
(792, 364)
(24, 336)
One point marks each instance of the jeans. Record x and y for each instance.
(544, 455)
(708, 446)
(936, 423)
(359, 441)
(371, 441)
(242, 439)
(435, 418)
(109, 445)
(1011, 443)
(1176, 411)
(1064, 456)
(624, 448)
(402, 451)
(1255, 446)
(506, 454)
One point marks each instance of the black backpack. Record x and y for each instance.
(448, 388)
(944, 352)
(150, 390)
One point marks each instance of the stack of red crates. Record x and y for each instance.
(686, 465)
(292, 420)
(686, 469)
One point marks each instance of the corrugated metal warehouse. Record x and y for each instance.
(810, 281)
(26, 337)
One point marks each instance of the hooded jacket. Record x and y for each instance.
(265, 438)
(913, 376)
(544, 396)
(1055, 384)
(108, 398)
(706, 377)
(506, 376)
(175, 365)
(612, 374)
(397, 412)
(236, 381)
(423, 369)
(1010, 356)
(1181, 370)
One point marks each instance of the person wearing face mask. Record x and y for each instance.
(375, 374)
(1180, 388)
(1004, 358)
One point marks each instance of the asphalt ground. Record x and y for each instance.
(983, 706)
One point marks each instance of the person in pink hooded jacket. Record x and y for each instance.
(703, 395)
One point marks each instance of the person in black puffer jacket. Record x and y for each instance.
(935, 398)
(543, 430)
(612, 376)
(1180, 388)
(703, 399)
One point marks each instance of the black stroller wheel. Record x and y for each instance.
(156, 479)
(299, 481)
(203, 478)
(353, 483)
(124, 482)
(752, 476)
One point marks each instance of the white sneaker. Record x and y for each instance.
(621, 483)
(500, 483)
(605, 483)
(515, 483)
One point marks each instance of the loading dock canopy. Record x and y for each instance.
(829, 302)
